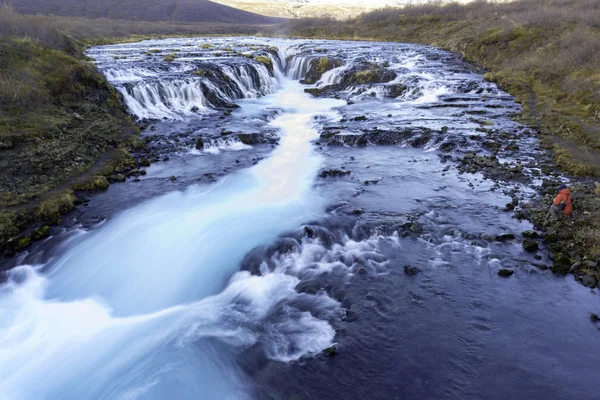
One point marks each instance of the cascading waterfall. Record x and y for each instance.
(297, 67)
(146, 306)
(182, 94)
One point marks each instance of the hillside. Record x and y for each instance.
(338, 9)
(142, 10)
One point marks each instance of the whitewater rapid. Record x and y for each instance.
(133, 309)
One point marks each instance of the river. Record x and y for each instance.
(350, 217)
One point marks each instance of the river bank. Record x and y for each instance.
(359, 245)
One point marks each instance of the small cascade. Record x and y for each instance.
(297, 67)
(332, 77)
(216, 146)
(165, 99)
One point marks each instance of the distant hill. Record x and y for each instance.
(142, 10)
(339, 9)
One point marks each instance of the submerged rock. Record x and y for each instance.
(334, 173)
(331, 351)
(411, 270)
(505, 273)
(530, 245)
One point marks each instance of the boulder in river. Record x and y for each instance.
(530, 245)
(505, 272)
(411, 270)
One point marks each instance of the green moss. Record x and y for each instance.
(18, 243)
(41, 233)
(267, 62)
(95, 183)
(203, 72)
(53, 208)
(170, 58)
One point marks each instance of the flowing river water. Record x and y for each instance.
(344, 217)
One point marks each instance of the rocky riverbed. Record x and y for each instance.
(311, 219)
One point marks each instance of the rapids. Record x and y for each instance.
(289, 231)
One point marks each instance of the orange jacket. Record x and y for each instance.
(564, 195)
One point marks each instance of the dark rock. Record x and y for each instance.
(410, 270)
(119, 178)
(550, 237)
(416, 228)
(199, 144)
(318, 67)
(331, 351)
(396, 90)
(18, 243)
(562, 264)
(530, 245)
(41, 233)
(505, 273)
(530, 234)
(575, 267)
(172, 178)
(594, 318)
(334, 173)
(309, 232)
(589, 281)
(144, 162)
(505, 237)
(487, 237)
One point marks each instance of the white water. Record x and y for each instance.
(151, 305)
(182, 94)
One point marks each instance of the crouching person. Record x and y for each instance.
(562, 203)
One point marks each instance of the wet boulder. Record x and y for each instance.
(199, 144)
(589, 281)
(318, 67)
(367, 73)
(530, 245)
(505, 272)
(334, 173)
(411, 270)
(396, 90)
(562, 264)
(41, 233)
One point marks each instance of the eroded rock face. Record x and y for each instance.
(318, 67)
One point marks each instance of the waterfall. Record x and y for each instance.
(180, 93)
(332, 77)
(297, 67)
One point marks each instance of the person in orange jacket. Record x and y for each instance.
(562, 203)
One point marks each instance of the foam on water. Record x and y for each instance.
(132, 309)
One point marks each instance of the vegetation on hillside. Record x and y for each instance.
(146, 10)
(544, 52)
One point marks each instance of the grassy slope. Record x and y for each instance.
(544, 52)
(142, 10)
